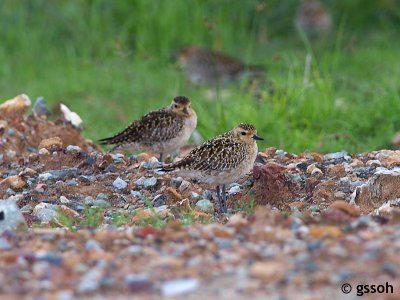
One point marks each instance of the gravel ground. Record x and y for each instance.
(92, 225)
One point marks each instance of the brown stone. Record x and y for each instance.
(271, 271)
(318, 231)
(14, 107)
(15, 182)
(352, 210)
(337, 170)
(324, 192)
(52, 144)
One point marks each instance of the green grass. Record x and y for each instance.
(109, 61)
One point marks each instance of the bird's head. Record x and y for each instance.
(246, 133)
(181, 106)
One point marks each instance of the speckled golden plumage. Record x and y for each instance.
(163, 131)
(221, 160)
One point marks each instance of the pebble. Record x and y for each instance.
(4, 244)
(72, 182)
(159, 200)
(137, 194)
(40, 109)
(184, 185)
(43, 152)
(11, 217)
(64, 200)
(11, 132)
(102, 196)
(93, 245)
(207, 195)
(119, 184)
(152, 163)
(137, 283)
(26, 209)
(101, 203)
(179, 286)
(45, 214)
(236, 189)
(117, 157)
(205, 205)
(176, 182)
(88, 200)
(73, 149)
(58, 174)
(90, 281)
(194, 196)
(146, 182)
(337, 155)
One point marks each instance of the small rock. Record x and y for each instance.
(373, 162)
(41, 187)
(93, 245)
(316, 172)
(40, 108)
(179, 286)
(271, 271)
(64, 200)
(88, 200)
(152, 163)
(71, 116)
(90, 281)
(176, 182)
(26, 209)
(73, 149)
(72, 182)
(146, 182)
(136, 194)
(11, 217)
(102, 196)
(236, 189)
(194, 196)
(15, 107)
(184, 185)
(205, 205)
(159, 200)
(351, 210)
(43, 152)
(4, 244)
(207, 195)
(15, 182)
(119, 184)
(51, 144)
(44, 214)
(136, 283)
(101, 203)
(320, 231)
(337, 155)
(117, 157)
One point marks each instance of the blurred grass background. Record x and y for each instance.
(110, 62)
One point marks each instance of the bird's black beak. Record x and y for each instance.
(257, 138)
(185, 110)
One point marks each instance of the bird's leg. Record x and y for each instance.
(161, 157)
(219, 198)
(223, 196)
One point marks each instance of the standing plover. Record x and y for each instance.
(221, 160)
(208, 67)
(161, 131)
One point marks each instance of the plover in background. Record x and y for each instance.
(207, 67)
(313, 18)
(162, 131)
(221, 160)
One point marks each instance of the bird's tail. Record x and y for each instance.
(256, 71)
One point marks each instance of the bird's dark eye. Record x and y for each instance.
(243, 133)
(175, 105)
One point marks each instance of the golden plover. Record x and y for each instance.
(313, 18)
(208, 67)
(221, 160)
(161, 131)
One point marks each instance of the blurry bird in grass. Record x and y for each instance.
(213, 68)
(313, 18)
